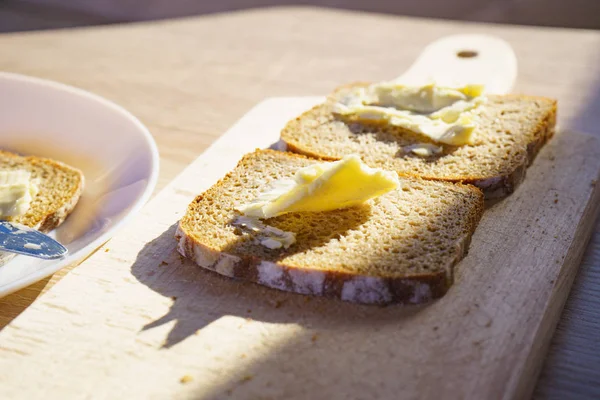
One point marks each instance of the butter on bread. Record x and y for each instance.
(59, 189)
(323, 187)
(400, 247)
(511, 131)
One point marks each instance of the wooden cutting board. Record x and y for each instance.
(137, 321)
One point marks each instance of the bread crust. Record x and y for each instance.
(353, 288)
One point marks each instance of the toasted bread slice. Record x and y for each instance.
(60, 187)
(512, 129)
(398, 248)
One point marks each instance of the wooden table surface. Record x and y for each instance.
(189, 80)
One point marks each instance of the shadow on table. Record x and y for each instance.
(14, 304)
(334, 333)
(202, 297)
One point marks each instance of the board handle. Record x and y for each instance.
(465, 59)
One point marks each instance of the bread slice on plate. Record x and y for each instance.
(512, 129)
(60, 187)
(398, 248)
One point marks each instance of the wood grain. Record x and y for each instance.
(188, 85)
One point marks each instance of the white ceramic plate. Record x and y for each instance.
(115, 151)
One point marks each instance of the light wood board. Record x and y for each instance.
(189, 85)
(151, 325)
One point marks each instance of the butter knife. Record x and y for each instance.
(20, 239)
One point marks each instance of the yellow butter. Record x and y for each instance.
(445, 115)
(420, 99)
(17, 191)
(323, 187)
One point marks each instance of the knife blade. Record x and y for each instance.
(20, 239)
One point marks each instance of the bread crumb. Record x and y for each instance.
(314, 337)
(186, 379)
(164, 263)
(249, 311)
(181, 258)
(173, 298)
(246, 378)
(555, 201)
(488, 324)
(243, 355)
(593, 182)
(106, 250)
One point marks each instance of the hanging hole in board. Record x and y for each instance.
(467, 54)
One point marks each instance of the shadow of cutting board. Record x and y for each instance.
(138, 321)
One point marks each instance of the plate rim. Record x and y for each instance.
(80, 255)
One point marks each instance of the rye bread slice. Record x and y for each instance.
(399, 248)
(60, 187)
(512, 129)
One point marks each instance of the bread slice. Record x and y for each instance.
(60, 187)
(398, 248)
(512, 129)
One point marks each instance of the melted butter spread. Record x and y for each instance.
(423, 149)
(323, 187)
(17, 191)
(265, 235)
(443, 114)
